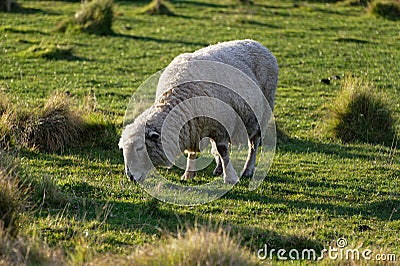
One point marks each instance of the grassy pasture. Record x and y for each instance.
(317, 190)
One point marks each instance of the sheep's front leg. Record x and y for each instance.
(248, 169)
(190, 171)
(218, 169)
(230, 176)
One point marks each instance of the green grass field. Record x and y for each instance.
(317, 191)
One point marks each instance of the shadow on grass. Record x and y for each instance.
(22, 30)
(258, 23)
(384, 209)
(77, 157)
(305, 146)
(256, 238)
(200, 4)
(329, 11)
(154, 218)
(296, 145)
(353, 40)
(269, 6)
(159, 40)
(64, 56)
(317, 1)
(18, 9)
(82, 202)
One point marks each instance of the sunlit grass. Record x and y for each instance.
(317, 190)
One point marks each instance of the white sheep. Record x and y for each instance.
(230, 80)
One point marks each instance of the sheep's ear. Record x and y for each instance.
(154, 135)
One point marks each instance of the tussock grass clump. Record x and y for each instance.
(15, 247)
(360, 113)
(21, 250)
(54, 127)
(12, 125)
(198, 246)
(66, 25)
(49, 51)
(389, 9)
(9, 200)
(5, 130)
(4, 103)
(12, 196)
(95, 17)
(158, 7)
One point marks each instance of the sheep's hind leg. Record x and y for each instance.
(190, 171)
(218, 169)
(230, 176)
(248, 169)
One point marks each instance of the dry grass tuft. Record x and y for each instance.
(4, 103)
(389, 9)
(54, 127)
(12, 197)
(20, 250)
(361, 113)
(12, 124)
(15, 247)
(158, 7)
(5, 122)
(94, 17)
(50, 52)
(196, 246)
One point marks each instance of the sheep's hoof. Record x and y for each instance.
(247, 173)
(218, 170)
(231, 180)
(188, 175)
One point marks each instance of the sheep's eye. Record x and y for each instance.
(140, 148)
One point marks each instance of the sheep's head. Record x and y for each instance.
(142, 150)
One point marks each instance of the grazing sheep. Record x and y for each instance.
(232, 80)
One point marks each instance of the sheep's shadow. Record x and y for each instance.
(278, 185)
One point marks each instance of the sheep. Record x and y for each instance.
(196, 81)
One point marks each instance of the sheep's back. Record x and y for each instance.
(246, 56)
